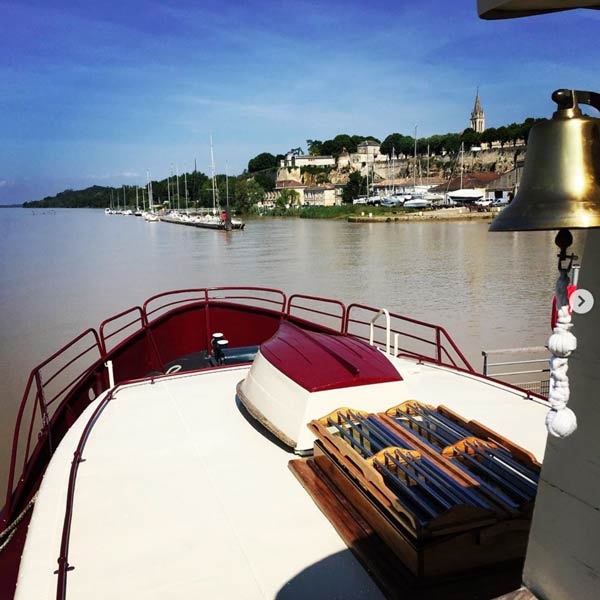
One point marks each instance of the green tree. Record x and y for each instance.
(502, 134)
(398, 144)
(246, 194)
(489, 135)
(470, 138)
(266, 180)
(288, 198)
(261, 162)
(315, 147)
(338, 144)
(352, 188)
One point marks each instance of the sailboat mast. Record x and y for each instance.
(137, 204)
(177, 175)
(415, 166)
(169, 188)
(227, 185)
(393, 171)
(150, 199)
(462, 157)
(186, 191)
(212, 170)
(227, 214)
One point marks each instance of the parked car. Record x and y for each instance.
(483, 202)
(361, 200)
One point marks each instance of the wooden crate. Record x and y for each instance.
(427, 557)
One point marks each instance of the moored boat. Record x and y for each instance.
(417, 203)
(167, 439)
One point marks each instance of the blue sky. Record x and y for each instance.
(100, 92)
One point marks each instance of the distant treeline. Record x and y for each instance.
(93, 197)
(242, 192)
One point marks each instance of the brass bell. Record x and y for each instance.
(508, 9)
(560, 186)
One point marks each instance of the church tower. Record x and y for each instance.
(477, 116)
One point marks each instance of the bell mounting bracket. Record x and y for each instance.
(567, 99)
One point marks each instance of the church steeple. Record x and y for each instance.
(477, 116)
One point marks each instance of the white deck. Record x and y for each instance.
(180, 497)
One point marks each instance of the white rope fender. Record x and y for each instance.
(561, 420)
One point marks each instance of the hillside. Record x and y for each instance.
(92, 197)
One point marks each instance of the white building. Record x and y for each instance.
(321, 195)
(292, 160)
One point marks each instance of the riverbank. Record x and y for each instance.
(444, 214)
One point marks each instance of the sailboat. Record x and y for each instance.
(416, 194)
(150, 216)
(215, 220)
(138, 212)
(109, 210)
(464, 195)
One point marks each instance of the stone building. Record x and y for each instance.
(477, 116)
(293, 160)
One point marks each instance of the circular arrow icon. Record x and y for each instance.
(581, 301)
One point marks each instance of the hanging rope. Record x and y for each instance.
(10, 531)
(561, 420)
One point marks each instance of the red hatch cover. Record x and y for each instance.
(323, 361)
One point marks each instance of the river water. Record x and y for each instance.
(62, 271)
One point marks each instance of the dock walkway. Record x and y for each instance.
(443, 214)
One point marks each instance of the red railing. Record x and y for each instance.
(320, 311)
(425, 339)
(142, 339)
(38, 387)
(117, 320)
(63, 558)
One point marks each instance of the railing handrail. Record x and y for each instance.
(340, 305)
(206, 297)
(441, 334)
(442, 342)
(535, 364)
(524, 350)
(63, 565)
(34, 376)
(105, 338)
